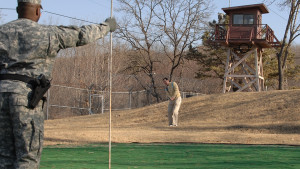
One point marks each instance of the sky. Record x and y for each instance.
(98, 10)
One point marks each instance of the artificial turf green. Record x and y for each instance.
(175, 156)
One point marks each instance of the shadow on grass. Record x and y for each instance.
(273, 129)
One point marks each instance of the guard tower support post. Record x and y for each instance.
(244, 72)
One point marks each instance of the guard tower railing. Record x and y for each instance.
(261, 34)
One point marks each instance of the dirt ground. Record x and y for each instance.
(233, 118)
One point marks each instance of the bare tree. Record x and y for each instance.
(156, 27)
(84, 67)
(292, 31)
(139, 31)
(182, 23)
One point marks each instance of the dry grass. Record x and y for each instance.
(235, 118)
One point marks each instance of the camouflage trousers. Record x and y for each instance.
(21, 132)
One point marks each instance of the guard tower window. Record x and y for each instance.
(240, 19)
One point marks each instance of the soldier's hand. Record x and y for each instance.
(112, 23)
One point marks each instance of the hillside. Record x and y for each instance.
(234, 118)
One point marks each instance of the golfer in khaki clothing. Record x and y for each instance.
(173, 94)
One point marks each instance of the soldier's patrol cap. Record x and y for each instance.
(37, 2)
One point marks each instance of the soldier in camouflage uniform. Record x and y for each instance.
(27, 48)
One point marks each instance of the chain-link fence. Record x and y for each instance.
(64, 101)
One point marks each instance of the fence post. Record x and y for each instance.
(130, 94)
(90, 103)
(102, 104)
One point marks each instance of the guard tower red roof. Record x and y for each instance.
(245, 27)
(263, 9)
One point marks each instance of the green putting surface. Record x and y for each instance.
(175, 156)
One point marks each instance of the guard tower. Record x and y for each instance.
(245, 36)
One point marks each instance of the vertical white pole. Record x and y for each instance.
(110, 88)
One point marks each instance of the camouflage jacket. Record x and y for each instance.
(28, 48)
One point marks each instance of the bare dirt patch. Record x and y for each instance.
(234, 118)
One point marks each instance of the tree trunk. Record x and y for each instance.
(155, 93)
(280, 73)
(279, 55)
